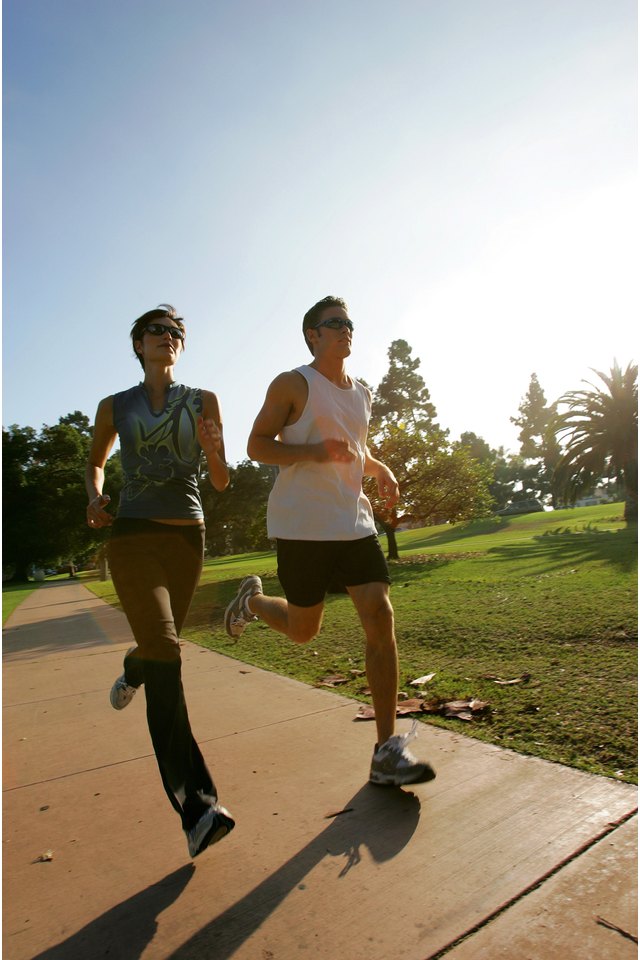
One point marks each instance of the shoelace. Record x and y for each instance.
(404, 738)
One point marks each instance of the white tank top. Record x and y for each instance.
(324, 501)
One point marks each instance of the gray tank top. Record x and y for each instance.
(160, 454)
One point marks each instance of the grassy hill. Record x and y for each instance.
(546, 599)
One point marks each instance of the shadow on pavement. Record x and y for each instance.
(125, 931)
(381, 819)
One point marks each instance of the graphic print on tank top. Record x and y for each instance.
(157, 449)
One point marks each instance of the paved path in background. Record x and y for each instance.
(502, 856)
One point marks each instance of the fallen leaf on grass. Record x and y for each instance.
(457, 709)
(333, 681)
(523, 678)
(413, 705)
(464, 709)
(422, 680)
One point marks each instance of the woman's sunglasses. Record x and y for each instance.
(158, 329)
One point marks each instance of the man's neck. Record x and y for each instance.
(333, 369)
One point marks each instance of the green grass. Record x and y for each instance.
(550, 595)
(13, 595)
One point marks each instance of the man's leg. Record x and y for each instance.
(300, 624)
(392, 764)
(374, 608)
(304, 571)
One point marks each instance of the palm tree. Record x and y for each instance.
(600, 430)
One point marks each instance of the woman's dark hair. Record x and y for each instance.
(312, 316)
(164, 311)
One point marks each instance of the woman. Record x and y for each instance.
(156, 550)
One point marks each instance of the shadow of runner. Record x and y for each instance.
(382, 819)
(125, 931)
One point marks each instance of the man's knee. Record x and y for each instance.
(302, 636)
(303, 633)
(377, 617)
(304, 623)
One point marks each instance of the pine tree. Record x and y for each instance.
(539, 448)
(437, 481)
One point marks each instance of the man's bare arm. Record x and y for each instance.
(283, 405)
(387, 484)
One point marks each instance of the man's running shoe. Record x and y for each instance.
(393, 765)
(212, 826)
(122, 693)
(237, 615)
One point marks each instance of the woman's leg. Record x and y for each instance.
(184, 567)
(144, 562)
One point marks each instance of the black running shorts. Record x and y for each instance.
(309, 569)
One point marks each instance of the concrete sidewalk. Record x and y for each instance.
(502, 856)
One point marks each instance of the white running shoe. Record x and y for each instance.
(212, 826)
(393, 765)
(122, 693)
(237, 615)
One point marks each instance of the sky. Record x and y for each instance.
(462, 172)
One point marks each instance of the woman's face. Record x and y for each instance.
(159, 343)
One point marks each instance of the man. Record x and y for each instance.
(313, 426)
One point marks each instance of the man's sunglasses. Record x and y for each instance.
(158, 329)
(334, 323)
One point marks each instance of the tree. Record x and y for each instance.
(600, 430)
(402, 397)
(18, 501)
(539, 449)
(504, 472)
(438, 482)
(44, 494)
(237, 518)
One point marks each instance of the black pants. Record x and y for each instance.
(156, 568)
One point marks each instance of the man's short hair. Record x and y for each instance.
(313, 315)
(162, 312)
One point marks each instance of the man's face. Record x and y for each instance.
(332, 333)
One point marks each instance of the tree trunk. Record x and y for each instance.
(20, 574)
(631, 493)
(631, 507)
(392, 544)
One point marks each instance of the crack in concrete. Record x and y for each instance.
(587, 845)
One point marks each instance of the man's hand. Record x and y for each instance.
(335, 451)
(387, 486)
